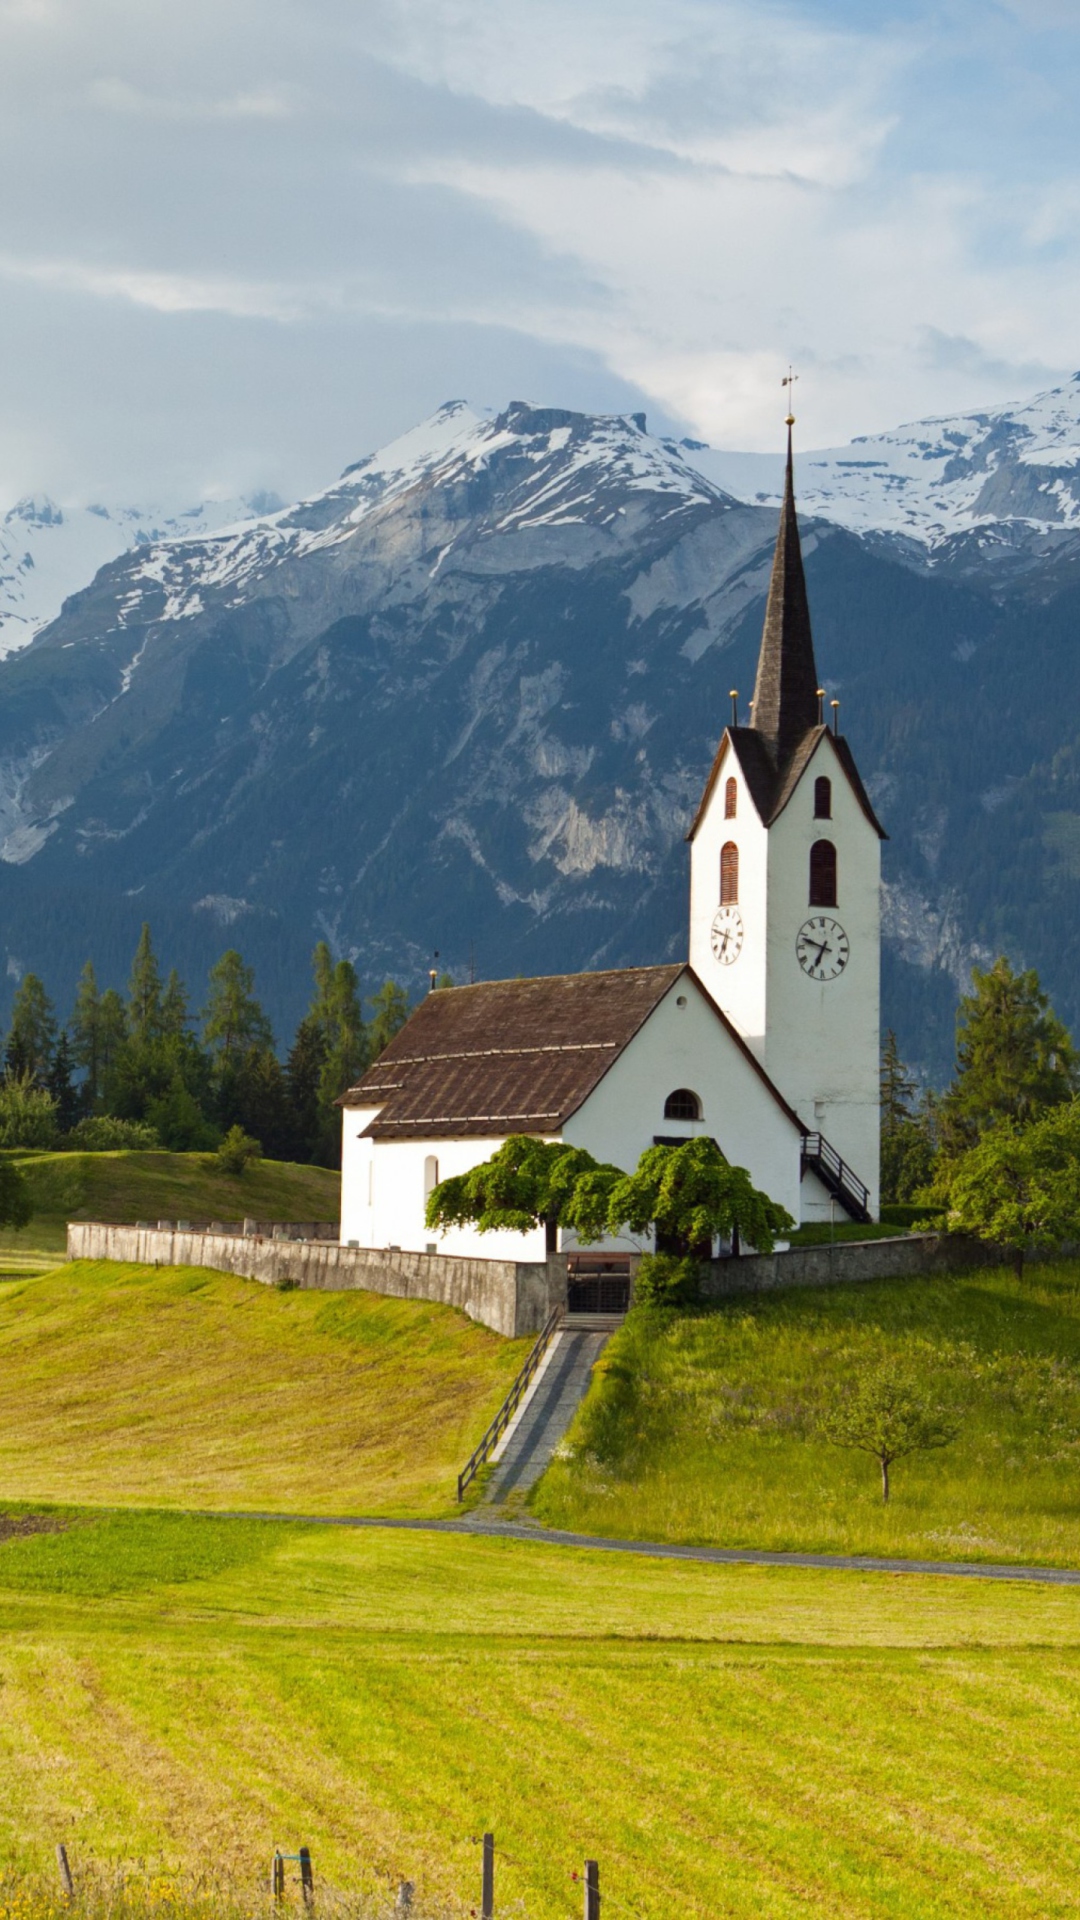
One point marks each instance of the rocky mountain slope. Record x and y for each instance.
(465, 699)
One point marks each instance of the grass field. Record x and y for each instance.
(130, 1186)
(701, 1427)
(742, 1742)
(181, 1387)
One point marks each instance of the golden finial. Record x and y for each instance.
(789, 382)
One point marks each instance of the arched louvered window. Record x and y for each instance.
(682, 1105)
(823, 874)
(731, 799)
(822, 798)
(729, 874)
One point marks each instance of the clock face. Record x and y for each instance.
(822, 947)
(727, 935)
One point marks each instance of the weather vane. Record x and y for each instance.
(789, 381)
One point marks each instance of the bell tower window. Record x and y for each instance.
(823, 874)
(822, 798)
(682, 1105)
(731, 799)
(729, 874)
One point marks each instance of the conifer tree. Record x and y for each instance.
(1015, 1059)
(908, 1128)
(59, 1085)
(303, 1077)
(32, 1034)
(391, 1005)
(174, 1006)
(144, 991)
(233, 1020)
(112, 1031)
(86, 1035)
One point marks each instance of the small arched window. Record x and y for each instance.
(823, 874)
(682, 1105)
(729, 874)
(431, 1175)
(731, 799)
(822, 798)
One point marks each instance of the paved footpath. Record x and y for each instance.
(713, 1556)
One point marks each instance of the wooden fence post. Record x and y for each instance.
(65, 1871)
(487, 1897)
(592, 1890)
(307, 1882)
(277, 1875)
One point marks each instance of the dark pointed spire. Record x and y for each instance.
(785, 691)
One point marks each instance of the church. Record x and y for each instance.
(765, 1039)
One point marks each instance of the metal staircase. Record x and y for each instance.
(835, 1175)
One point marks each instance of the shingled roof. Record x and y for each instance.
(770, 787)
(506, 1056)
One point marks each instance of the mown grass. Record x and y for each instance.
(128, 1186)
(726, 1741)
(704, 1426)
(182, 1387)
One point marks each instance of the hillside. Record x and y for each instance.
(127, 1186)
(464, 700)
(702, 1426)
(179, 1387)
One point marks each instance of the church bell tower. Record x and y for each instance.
(785, 872)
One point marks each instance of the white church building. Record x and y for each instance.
(766, 1039)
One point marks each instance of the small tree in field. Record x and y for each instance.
(237, 1150)
(1019, 1187)
(888, 1414)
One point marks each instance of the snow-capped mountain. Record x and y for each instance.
(1000, 474)
(48, 552)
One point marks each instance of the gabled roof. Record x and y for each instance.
(771, 790)
(517, 1056)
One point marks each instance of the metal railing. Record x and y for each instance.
(822, 1158)
(511, 1404)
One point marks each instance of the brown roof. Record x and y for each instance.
(770, 789)
(785, 690)
(507, 1056)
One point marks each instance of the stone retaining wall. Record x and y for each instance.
(845, 1261)
(513, 1297)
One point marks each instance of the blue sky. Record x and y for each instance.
(244, 241)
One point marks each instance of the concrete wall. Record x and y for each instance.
(845, 1262)
(512, 1297)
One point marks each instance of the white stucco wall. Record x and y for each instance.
(740, 987)
(384, 1192)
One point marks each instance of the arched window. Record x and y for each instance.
(822, 798)
(431, 1175)
(682, 1105)
(729, 874)
(731, 799)
(823, 874)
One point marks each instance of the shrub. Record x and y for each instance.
(27, 1114)
(237, 1149)
(663, 1280)
(103, 1133)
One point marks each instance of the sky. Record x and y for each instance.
(244, 242)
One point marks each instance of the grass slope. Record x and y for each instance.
(726, 1741)
(701, 1427)
(177, 1386)
(125, 1187)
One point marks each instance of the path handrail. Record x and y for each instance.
(511, 1404)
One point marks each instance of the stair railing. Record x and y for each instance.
(511, 1404)
(821, 1156)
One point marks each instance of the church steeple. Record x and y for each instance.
(785, 691)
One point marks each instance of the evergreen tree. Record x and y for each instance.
(897, 1089)
(908, 1128)
(32, 1034)
(112, 1032)
(232, 1017)
(86, 1035)
(303, 1078)
(253, 1096)
(1015, 1059)
(144, 991)
(174, 1006)
(59, 1085)
(346, 1035)
(391, 1005)
(178, 1119)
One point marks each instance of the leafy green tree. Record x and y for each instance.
(27, 1114)
(144, 991)
(16, 1207)
(1019, 1187)
(232, 1017)
(527, 1183)
(1014, 1057)
(174, 1006)
(86, 1035)
(391, 1005)
(663, 1280)
(688, 1194)
(103, 1133)
(237, 1151)
(888, 1413)
(32, 1034)
(179, 1120)
(59, 1084)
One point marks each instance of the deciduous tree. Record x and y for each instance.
(1019, 1187)
(887, 1412)
(690, 1193)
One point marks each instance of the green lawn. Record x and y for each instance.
(127, 1385)
(128, 1186)
(181, 1696)
(701, 1426)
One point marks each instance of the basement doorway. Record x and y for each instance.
(598, 1283)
